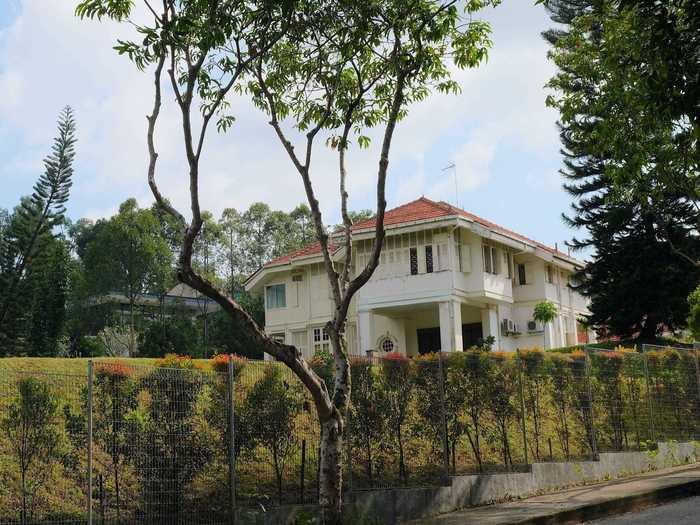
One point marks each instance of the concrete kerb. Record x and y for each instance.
(616, 506)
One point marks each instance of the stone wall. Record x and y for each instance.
(392, 506)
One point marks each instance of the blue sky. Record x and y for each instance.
(498, 132)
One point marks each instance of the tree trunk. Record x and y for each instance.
(331, 476)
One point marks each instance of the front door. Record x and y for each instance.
(428, 340)
(472, 334)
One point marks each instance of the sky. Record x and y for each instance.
(498, 132)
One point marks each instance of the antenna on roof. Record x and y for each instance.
(452, 166)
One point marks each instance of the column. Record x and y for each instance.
(489, 325)
(364, 331)
(451, 326)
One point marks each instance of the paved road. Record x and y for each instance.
(682, 512)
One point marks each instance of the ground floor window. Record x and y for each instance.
(321, 340)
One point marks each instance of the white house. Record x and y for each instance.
(446, 279)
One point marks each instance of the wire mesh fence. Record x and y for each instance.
(125, 443)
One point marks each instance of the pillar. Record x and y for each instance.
(451, 326)
(489, 325)
(364, 331)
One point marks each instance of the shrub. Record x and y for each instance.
(220, 363)
(30, 426)
(271, 409)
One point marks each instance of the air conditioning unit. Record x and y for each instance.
(508, 326)
(532, 326)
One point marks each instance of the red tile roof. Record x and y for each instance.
(419, 210)
(306, 251)
(425, 209)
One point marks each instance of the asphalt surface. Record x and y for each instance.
(682, 512)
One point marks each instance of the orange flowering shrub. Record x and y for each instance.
(114, 370)
(220, 363)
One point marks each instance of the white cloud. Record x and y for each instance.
(49, 58)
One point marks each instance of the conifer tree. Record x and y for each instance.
(634, 280)
(32, 224)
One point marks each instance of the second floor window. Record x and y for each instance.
(521, 274)
(491, 261)
(414, 261)
(429, 259)
(276, 296)
(549, 274)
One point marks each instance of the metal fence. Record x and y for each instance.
(123, 443)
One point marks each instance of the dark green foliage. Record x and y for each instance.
(49, 281)
(228, 337)
(607, 136)
(26, 236)
(178, 334)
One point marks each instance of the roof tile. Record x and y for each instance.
(418, 210)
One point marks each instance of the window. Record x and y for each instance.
(521, 274)
(321, 340)
(414, 261)
(387, 345)
(275, 296)
(488, 266)
(429, 259)
(508, 258)
(548, 274)
(300, 341)
(491, 261)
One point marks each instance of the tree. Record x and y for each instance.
(30, 426)
(48, 289)
(271, 409)
(544, 312)
(337, 67)
(174, 388)
(25, 236)
(130, 255)
(694, 315)
(114, 400)
(397, 386)
(501, 392)
(626, 163)
(369, 410)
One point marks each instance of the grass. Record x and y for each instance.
(74, 366)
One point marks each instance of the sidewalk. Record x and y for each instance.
(583, 503)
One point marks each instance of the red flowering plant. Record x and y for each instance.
(220, 363)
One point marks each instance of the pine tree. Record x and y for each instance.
(633, 278)
(33, 222)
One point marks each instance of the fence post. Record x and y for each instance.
(589, 393)
(231, 442)
(90, 374)
(650, 401)
(443, 411)
(696, 349)
(521, 391)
